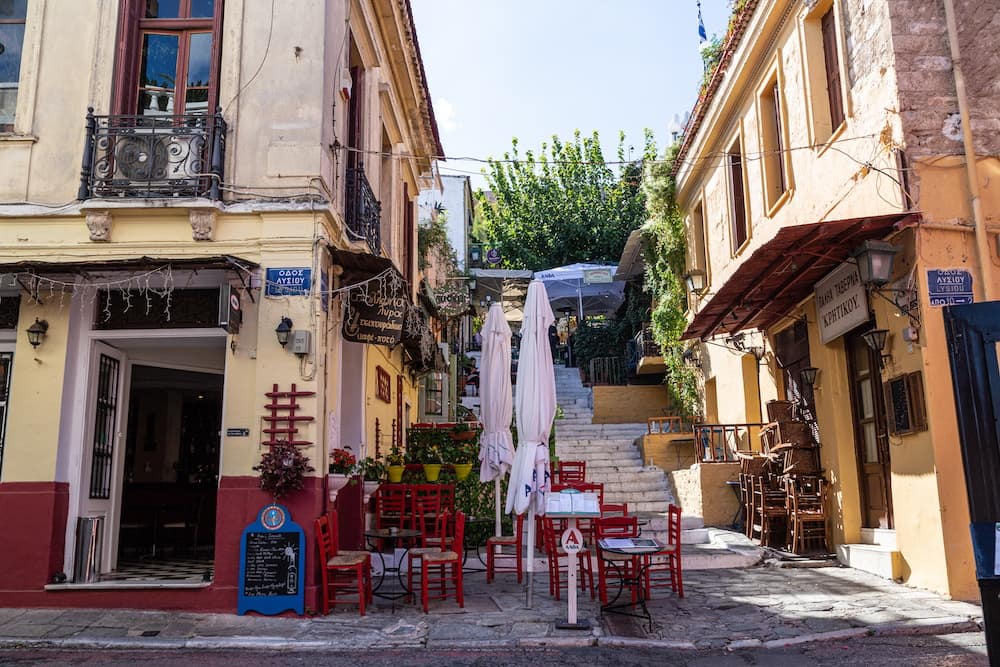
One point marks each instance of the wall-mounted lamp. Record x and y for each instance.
(472, 284)
(757, 351)
(875, 339)
(875, 260)
(809, 375)
(475, 254)
(282, 331)
(695, 280)
(37, 331)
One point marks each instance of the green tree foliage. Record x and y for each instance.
(563, 205)
(665, 255)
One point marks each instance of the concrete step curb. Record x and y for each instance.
(949, 625)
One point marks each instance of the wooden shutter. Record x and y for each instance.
(918, 406)
(906, 410)
(779, 140)
(829, 28)
(739, 221)
(408, 233)
(125, 91)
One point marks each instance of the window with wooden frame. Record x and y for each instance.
(168, 57)
(824, 75)
(905, 408)
(738, 226)
(13, 14)
(773, 142)
(383, 381)
(434, 393)
(697, 250)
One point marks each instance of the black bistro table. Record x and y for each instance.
(391, 537)
(640, 547)
(475, 543)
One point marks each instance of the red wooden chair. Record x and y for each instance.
(433, 539)
(436, 566)
(568, 472)
(611, 565)
(345, 572)
(614, 508)
(494, 550)
(665, 569)
(558, 561)
(391, 506)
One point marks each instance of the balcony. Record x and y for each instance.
(647, 354)
(153, 156)
(362, 210)
(721, 443)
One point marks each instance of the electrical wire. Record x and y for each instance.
(263, 59)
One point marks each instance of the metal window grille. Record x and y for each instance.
(105, 418)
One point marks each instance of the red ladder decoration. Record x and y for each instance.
(279, 424)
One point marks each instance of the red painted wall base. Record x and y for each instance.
(36, 513)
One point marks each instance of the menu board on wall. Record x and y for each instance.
(375, 318)
(272, 550)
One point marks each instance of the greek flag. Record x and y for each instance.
(702, 35)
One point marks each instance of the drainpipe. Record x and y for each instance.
(983, 253)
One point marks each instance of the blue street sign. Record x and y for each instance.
(288, 281)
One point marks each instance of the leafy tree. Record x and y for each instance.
(563, 205)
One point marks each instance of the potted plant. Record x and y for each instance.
(372, 473)
(432, 465)
(282, 469)
(342, 465)
(464, 431)
(395, 465)
(462, 456)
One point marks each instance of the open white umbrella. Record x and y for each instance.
(496, 447)
(535, 408)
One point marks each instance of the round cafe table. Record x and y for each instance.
(391, 537)
(636, 580)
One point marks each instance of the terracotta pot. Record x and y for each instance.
(396, 474)
(462, 436)
(432, 471)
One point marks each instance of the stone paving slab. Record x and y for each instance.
(758, 607)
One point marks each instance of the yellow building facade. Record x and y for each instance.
(830, 125)
(243, 168)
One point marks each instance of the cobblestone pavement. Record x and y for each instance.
(751, 608)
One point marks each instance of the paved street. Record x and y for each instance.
(760, 609)
(961, 650)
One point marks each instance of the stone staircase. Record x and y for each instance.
(614, 459)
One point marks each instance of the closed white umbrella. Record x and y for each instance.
(496, 446)
(535, 408)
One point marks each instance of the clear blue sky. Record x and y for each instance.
(533, 68)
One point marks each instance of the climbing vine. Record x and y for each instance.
(665, 251)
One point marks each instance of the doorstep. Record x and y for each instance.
(151, 584)
(882, 561)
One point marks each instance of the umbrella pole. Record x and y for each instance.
(530, 560)
(496, 495)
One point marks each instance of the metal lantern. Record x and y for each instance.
(809, 375)
(282, 330)
(874, 260)
(37, 331)
(875, 339)
(695, 280)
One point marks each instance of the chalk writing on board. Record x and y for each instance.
(271, 565)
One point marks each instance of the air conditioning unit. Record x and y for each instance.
(158, 157)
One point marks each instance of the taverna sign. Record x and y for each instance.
(841, 302)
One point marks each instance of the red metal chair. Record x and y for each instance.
(568, 472)
(611, 565)
(558, 561)
(345, 572)
(436, 566)
(666, 571)
(494, 550)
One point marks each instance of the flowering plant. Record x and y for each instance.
(342, 462)
(395, 457)
(282, 469)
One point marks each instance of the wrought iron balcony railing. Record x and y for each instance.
(362, 210)
(646, 345)
(153, 156)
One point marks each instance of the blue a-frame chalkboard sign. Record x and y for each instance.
(272, 564)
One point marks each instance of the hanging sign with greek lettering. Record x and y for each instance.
(841, 302)
(375, 316)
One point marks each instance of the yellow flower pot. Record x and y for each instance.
(432, 471)
(462, 470)
(396, 474)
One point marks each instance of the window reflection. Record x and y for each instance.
(12, 15)
(158, 74)
(199, 69)
(163, 9)
(202, 8)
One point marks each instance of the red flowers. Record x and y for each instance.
(342, 462)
